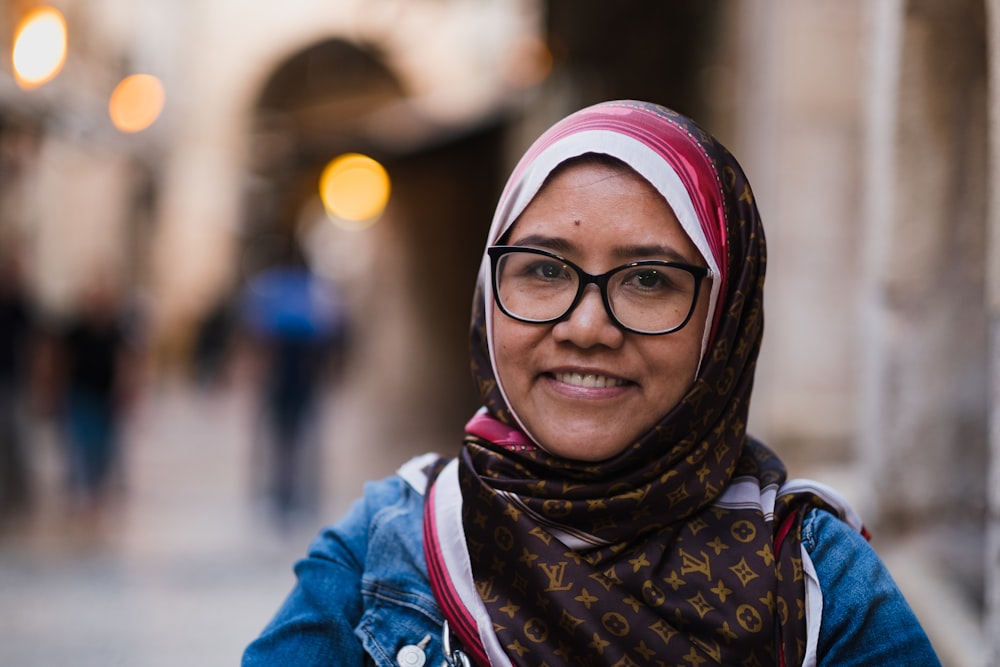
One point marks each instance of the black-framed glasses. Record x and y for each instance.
(650, 296)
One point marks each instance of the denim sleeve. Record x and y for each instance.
(866, 621)
(315, 625)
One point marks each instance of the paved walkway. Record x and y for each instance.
(185, 573)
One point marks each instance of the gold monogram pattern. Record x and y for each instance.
(672, 579)
(692, 587)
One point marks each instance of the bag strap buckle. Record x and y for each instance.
(453, 655)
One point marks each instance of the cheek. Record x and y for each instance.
(516, 352)
(675, 363)
(695, 331)
(505, 347)
(692, 357)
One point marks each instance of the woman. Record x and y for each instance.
(607, 506)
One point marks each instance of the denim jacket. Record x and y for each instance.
(363, 596)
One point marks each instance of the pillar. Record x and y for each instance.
(992, 556)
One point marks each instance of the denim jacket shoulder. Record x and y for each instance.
(865, 620)
(362, 593)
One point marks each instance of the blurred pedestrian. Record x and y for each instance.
(16, 327)
(95, 362)
(297, 324)
(213, 338)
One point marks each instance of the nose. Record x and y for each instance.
(589, 324)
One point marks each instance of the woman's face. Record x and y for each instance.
(583, 387)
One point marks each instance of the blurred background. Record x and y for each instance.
(238, 242)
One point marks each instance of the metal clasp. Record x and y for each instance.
(453, 656)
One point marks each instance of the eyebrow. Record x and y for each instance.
(564, 246)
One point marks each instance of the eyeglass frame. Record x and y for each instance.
(699, 273)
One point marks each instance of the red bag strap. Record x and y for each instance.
(779, 539)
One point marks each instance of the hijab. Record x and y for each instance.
(664, 553)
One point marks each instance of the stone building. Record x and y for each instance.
(868, 127)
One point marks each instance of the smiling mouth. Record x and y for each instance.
(589, 380)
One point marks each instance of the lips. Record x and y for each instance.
(588, 380)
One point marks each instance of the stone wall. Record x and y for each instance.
(864, 127)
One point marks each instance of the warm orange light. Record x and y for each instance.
(136, 102)
(39, 51)
(355, 190)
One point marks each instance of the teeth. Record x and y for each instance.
(588, 380)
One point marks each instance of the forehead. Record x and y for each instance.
(578, 188)
(596, 169)
(601, 206)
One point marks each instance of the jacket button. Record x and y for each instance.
(412, 655)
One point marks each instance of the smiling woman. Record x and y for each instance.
(582, 387)
(607, 506)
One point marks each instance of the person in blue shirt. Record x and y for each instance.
(607, 506)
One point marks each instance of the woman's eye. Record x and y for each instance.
(549, 270)
(649, 279)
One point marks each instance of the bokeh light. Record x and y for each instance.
(136, 102)
(529, 63)
(39, 51)
(355, 190)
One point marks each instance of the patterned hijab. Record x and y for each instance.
(665, 553)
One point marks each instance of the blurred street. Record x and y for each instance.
(162, 162)
(186, 571)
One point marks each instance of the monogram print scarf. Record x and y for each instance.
(665, 554)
